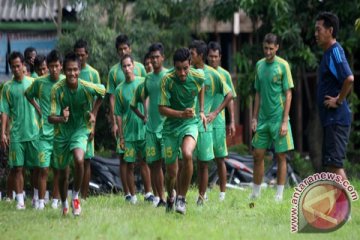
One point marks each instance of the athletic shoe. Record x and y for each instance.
(20, 206)
(278, 198)
(41, 206)
(76, 208)
(65, 211)
(169, 207)
(128, 197)
(162, 203)
(200, 201)
(35, 203)
(8, 199)
(149, 198)
(156, 201)
(180, 206)
(221, 196)
(133, 199)
(54, 205)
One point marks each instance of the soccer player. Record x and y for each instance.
(89, 74)
(219, 131)
(116, 76)
(155, 121)
(180, 88)
(40, 90)
(273, 84)
(131, 128)
(214, 84)
(147, 63)
(30, 54)
(335, 83)
(73, 113)
(40, 66)
(24, 131)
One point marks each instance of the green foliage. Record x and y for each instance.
(241, 149)
(301, 166)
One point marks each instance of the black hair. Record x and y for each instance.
(271, 38)
(71, 57)
(28, 51)
(200, 46)
(330, 20)
(15, 55)
(181, 55)
(214, 46)
(39, 59)
(147, 56)
(122, 39)
(81, 43)
(157, 47)
(54, 56)
(125, 57)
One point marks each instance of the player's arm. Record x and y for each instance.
(225, 102)
(285, 119)
(334, 102)
(55, 111)
(4, 136)
(201, 98)
(30, 94)
(256, 111)
(230, 108)
(54, 119)
(120, 132)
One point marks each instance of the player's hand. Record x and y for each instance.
(283, 129)
(254, 124)
(330, 102)
(115, 130)
(4, 141)
(232, 129)
(122, 143)
(203, 119)
(66, 113)
(188, 113)
(92, 134)
(211, 117)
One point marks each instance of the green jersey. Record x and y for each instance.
(90, 74)
(180, 95)
(219, 121)
(34, 75)
(132, 125)
(41, 89)
(271, 82)
(116, 75)
(24, 125)
(79, 102)
(152, 90)
(214, 84)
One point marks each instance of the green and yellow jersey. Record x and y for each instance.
(90, 74)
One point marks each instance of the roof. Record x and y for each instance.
(9, 11)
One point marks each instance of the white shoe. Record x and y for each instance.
(221, 196)
(133, 199)
(180, 205)
(20, 206)
(35, 203)
(278, 198)
(156, 201)
(41, 206)
(54, 205)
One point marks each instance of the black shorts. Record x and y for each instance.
(335, 140)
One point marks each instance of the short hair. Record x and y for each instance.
(28, 51)
(54, 56)
(200, 46)
(122, 39)
(181, 55)
(157, 47)
(147, 56)
(39, 59)
(71, 57)
(81, 43)
(15, 55)
(330, 20)
(214, 46)
(271, 38)
(125, 57)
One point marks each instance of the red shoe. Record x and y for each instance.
(76, 208)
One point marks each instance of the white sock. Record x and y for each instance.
(222, 194)
(256, 189)
(280, 190)
(75, 195)
(36, 194)
(20, 198)
(65, 204)
(148, 194)
(41, 203)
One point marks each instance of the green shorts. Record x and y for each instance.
(119, 150)
(89, 150)
(154, 147)
(204, 150)
(133, 149)
(45, 153)
(63, 148)
(268, 133)
(24, 154)
(219, 141)
(173, 141)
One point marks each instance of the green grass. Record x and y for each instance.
(109, 217)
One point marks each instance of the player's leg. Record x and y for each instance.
(220, 152)
(171, 151)
(63, 188)
(78, 156)
(16, 163)
(129, 159)
(44, 151)
(55, 190)
(87, 169)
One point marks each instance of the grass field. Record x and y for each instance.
(109, 217)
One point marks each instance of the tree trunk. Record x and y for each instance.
(59, 19)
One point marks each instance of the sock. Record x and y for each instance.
(222, 194)
(156, 199)
(256, 189)
(20, 198)
(75, 195)
(65, 204)
(41, 203)
(280, 190)
(148, 194)
(55, 201)
(36, 194)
